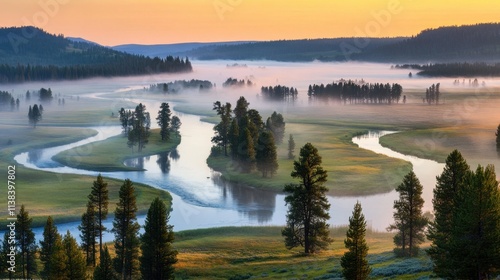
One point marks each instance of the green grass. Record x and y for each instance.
(259, 252)
(108, 155)
(62, 196)
(351, 171)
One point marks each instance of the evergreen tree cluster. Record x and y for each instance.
(35, 114)
(146, 256)
(136, 124)
(357, 92)
(465, 234)
(432, 94)
(179, 85)
(128, 65)
(7, 101)
(251, 142)
(45, 95)
(232, 82)
(279, 93)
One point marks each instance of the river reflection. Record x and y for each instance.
(256, 204)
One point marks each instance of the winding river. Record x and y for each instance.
(202, 200)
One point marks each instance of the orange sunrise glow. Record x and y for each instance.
(170, 21)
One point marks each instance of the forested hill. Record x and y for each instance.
(292, 50)
(479, 42)
(31, 54)
(471, 43)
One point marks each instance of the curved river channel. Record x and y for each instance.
(202, 200)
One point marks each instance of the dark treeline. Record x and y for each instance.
(126, 66)
(31, 54)
(177, 86)
(463, 69)
(279, 93)
(231, 82)
(357, 93)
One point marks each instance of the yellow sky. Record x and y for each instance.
(113, 22)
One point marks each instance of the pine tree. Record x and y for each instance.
(88, 234)
(475, 238)
(141, 122)
(241, 108)
(449, 184)
(99, 198)
(47, 245)
(408, 219)
(354, 262)
(105, 271)
(266, 155)
(163, 119)
(58, 261)
(25, 239)
(307, 204)
(246, 157)
(34, 115)
(126, 231)
(291, 147)
(158, 256)
(175, 124)
(75, 264)
(276, 124)
(234, 136)
(222, 129)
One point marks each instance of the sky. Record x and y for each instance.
(113, 22)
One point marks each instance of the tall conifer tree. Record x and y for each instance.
(126, 231)
(354, 262)
(158, 256)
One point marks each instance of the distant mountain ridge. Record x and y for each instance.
(180, 49)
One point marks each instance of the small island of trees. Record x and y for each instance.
(357, 92)
(232, 82)
(179, 85)
(250, 142)
(279, 93)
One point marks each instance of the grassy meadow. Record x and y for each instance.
(108, 155)
(260, 253)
